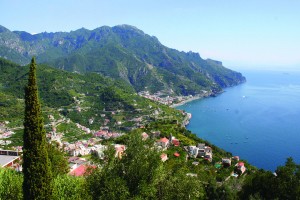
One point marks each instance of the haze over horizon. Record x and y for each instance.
(240, 34)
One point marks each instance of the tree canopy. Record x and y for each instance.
(36, 164)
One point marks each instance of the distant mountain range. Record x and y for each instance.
(120, 52)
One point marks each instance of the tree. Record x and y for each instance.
(59, 164)
(284, 185)
(69, 187)
(36, 165)
(180, 186)
(135, 176)
(288, 180)
(10, 184)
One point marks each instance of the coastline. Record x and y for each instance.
(186, 101)
(196, 97)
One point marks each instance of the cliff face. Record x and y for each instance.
(121, 52)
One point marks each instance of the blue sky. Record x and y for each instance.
(240, 33)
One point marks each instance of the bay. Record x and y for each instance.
(258, 120)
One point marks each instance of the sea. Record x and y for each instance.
(258, 120)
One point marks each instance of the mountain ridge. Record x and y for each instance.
(121, 52)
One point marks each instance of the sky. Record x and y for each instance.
(240, 33)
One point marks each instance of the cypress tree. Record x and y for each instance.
(36, 165)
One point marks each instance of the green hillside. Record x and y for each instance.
(121, 52)
(80, 98)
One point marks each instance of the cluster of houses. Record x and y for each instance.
(81, 147)
(5, 133)
(200, 151)
(78, 165)
(106, 134)
(85, 129)
(239, 166)
(164, 143)
(163, 98)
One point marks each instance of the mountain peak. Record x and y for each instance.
(3, 29)
(128, 28)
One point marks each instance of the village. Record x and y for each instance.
(168, 98)
(80, 151)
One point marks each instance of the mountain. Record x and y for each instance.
(91, 100)
(121, 52)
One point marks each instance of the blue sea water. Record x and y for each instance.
(258, 120)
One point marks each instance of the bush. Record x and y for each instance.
(10, 184)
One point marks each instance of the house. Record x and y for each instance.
(9, 158)
(176, 154)
(101, 133)
(201, 151)
(163, 142)
(201, 146)
(226, 162)
(120, 149)
(236, 158)
(82, 170)
(79, 149)
(240, 168)
(190, 149)
(164, 157)
(208, 154)
(75, 162)
(145, 136)
(175, 142)
(99, 150)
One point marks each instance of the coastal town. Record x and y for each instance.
(79, 151)
(167, 98)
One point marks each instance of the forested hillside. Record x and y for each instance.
(123, 53)
(80, 98)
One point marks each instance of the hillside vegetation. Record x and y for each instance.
(123, 53)
(79, 98)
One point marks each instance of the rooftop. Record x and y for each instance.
(4, 160)
(164, 140)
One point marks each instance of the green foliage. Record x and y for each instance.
(69, 188)
(36, 165)
(264, 184)
(63, 92)
(10, 184)
(222, 192)
(59, 163)
(64, 186)
(136, 175)
(123, 53)
(181, 186)
(112, 99)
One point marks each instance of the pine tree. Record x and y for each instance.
(36, 165)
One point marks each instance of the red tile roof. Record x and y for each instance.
(175, 142)
(80, 171)
(164, 140)
(176, 154)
